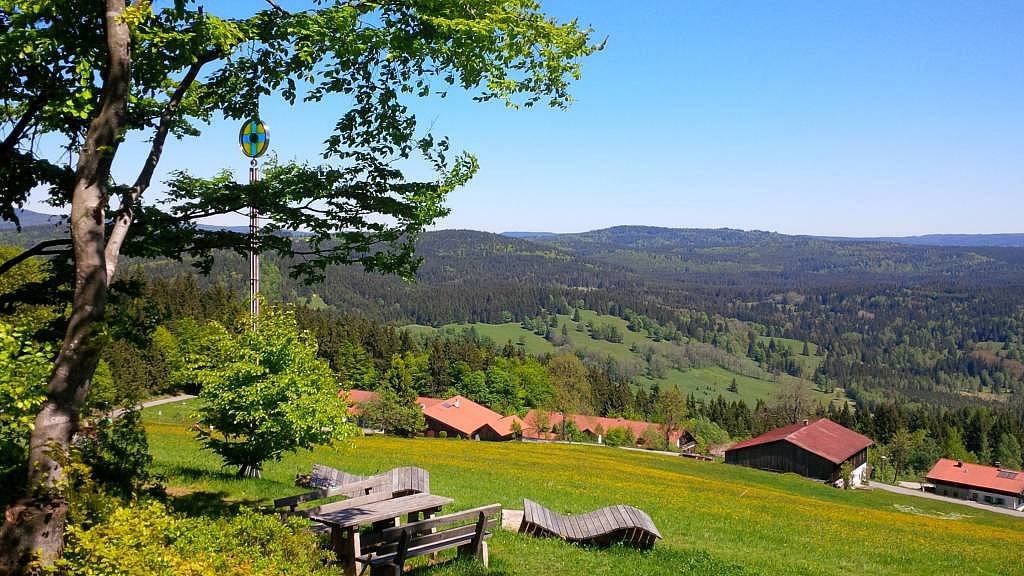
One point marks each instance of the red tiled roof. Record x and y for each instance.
(504, 426)
(592, 424)
(356, 398)
(823, 437)
(462, 414)
(977, 476)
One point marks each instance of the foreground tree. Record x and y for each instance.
(264, 392)
(87, 74)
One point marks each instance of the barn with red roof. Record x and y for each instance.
(815, 449)
(988, 484)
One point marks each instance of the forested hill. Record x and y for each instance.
(940, 324)
(805, 259)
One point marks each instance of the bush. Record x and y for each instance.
(707, 433)
(653, 439)
(442, 434)
(118, 453)
(147, 539)
(619, 436)
(24, 368)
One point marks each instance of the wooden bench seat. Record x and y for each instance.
(467, 531)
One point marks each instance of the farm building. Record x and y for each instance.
(460, 416)
(457, 416)
(595, 427)
(815, 449)
(988, 484)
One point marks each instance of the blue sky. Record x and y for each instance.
(854, 118)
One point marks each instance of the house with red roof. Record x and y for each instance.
(988, 484)
(457, 416)
(460, 416)
(596, 427)
(815, 449)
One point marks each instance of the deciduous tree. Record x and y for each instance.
(264, 393)
(90, 74)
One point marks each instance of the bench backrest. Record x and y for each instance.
(365, 491)
(405, 480)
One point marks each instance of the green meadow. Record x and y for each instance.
(716, 519)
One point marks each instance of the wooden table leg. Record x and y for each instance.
(352, 551)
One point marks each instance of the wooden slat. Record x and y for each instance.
(382, 510)
(612, 523)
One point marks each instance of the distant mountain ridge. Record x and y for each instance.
(1013, 240)
(661, 235)
(29, 218)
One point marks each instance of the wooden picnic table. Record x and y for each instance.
(345, 521)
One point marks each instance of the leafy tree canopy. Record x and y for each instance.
(190, 67)
(264, 393)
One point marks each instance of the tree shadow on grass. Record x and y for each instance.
(209, 504)
(194, 473)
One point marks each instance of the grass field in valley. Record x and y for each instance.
(716, 519)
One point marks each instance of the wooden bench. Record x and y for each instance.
(467, 531)
(405, 480)
(357, 493)
(601, 527)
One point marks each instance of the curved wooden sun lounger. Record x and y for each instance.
(602, 527)
(405, 480)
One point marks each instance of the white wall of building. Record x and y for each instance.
(1015, 503)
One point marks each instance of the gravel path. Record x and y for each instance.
(156, 402)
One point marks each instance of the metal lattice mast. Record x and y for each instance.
(254, 140)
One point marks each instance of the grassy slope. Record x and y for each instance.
(704, 383)
(716, 519)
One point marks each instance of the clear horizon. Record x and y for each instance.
(804, 118)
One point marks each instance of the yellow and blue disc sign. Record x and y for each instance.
(254, 138)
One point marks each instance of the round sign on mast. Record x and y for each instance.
(254, 138)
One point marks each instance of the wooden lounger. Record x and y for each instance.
(405, 480)
(603, 527)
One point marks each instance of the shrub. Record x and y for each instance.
(118, 453)
(619, 436)
(147, 539)
(442, 434)
(707, 433)
(653, 439)
(24, 368)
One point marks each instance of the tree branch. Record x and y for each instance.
(126, 212)
(23, 123)
(40, 249)
(277, 7)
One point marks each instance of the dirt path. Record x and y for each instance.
(156, 402)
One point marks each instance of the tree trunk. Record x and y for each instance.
(34, 525)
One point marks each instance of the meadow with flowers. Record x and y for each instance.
(716, 519)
